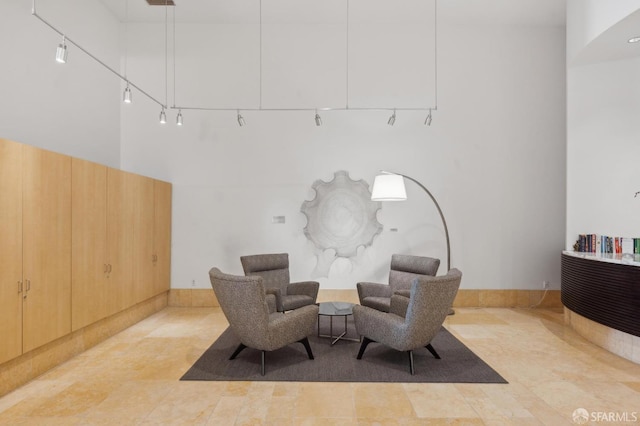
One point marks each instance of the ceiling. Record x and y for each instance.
(612, 44)
(489, 12)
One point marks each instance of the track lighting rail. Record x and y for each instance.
(306, 109)
(66, 37)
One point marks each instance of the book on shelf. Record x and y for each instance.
(595, 243)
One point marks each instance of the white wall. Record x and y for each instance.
(602, 148)
(494, 156)
(73, 108)
(602, 133)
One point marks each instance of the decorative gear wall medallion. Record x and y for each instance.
(341, 218)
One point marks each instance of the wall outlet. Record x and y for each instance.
(193, 283)
(545, 284)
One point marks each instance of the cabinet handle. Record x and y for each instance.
(106, 269)
(109, 268)
(19, 287)
(28, 285)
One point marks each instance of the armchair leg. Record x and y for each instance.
(411, 362)
(262, 359)
(237, 351)
(305, 342)
(433, 351)
(363, 346)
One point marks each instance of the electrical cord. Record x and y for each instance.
(541, 299)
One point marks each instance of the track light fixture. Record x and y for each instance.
(163, 116)
(126, 96)
(61, 52)
(427, 120)
(318, 119)
(392, 119)
(179, 118)
(240, 119)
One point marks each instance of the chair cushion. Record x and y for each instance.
(295, 301)
(419, 265)
(277, 278)
(378, 303)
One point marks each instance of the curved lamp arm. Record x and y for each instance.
(444, 222)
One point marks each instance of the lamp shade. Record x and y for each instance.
(388, 187)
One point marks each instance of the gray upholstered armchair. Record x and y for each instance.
(412, 325)
(243, 302)
(404, 269)
(274, 270)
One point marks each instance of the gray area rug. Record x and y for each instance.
(338, 363)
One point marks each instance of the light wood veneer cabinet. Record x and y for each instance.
(162, 237)
(142, 285)
(89, 232)
(114, 234)
(79, 242)
(11, 286)
(46, 246)
(35, 247)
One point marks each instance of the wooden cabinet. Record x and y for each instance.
(120, 217)
(10, 250)
(79, 242)
(46, 246)
(89, 261)
(162, 236)
(35, 248)
(143, 244)
(113, 241)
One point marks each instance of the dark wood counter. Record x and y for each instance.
(603, 289)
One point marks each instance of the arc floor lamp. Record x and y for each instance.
(389, 186)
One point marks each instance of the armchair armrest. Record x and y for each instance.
(300, 321)
(277, 294)
(307, 288)
(399, 303)
(272, 304)
(404, 293)
(366, 289)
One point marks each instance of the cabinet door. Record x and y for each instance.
(120, 237)
(162, 236)
(46, 246)
(10, 250)
(89, 291)
(143, 243)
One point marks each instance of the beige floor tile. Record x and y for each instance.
(226, 411)
(381, 401)
(325, 421)
(193, 402)
(132, 400)
(328, 400)
(439, 400)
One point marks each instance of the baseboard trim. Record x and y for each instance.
(187, 297)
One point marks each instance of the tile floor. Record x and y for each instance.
(132, 379)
